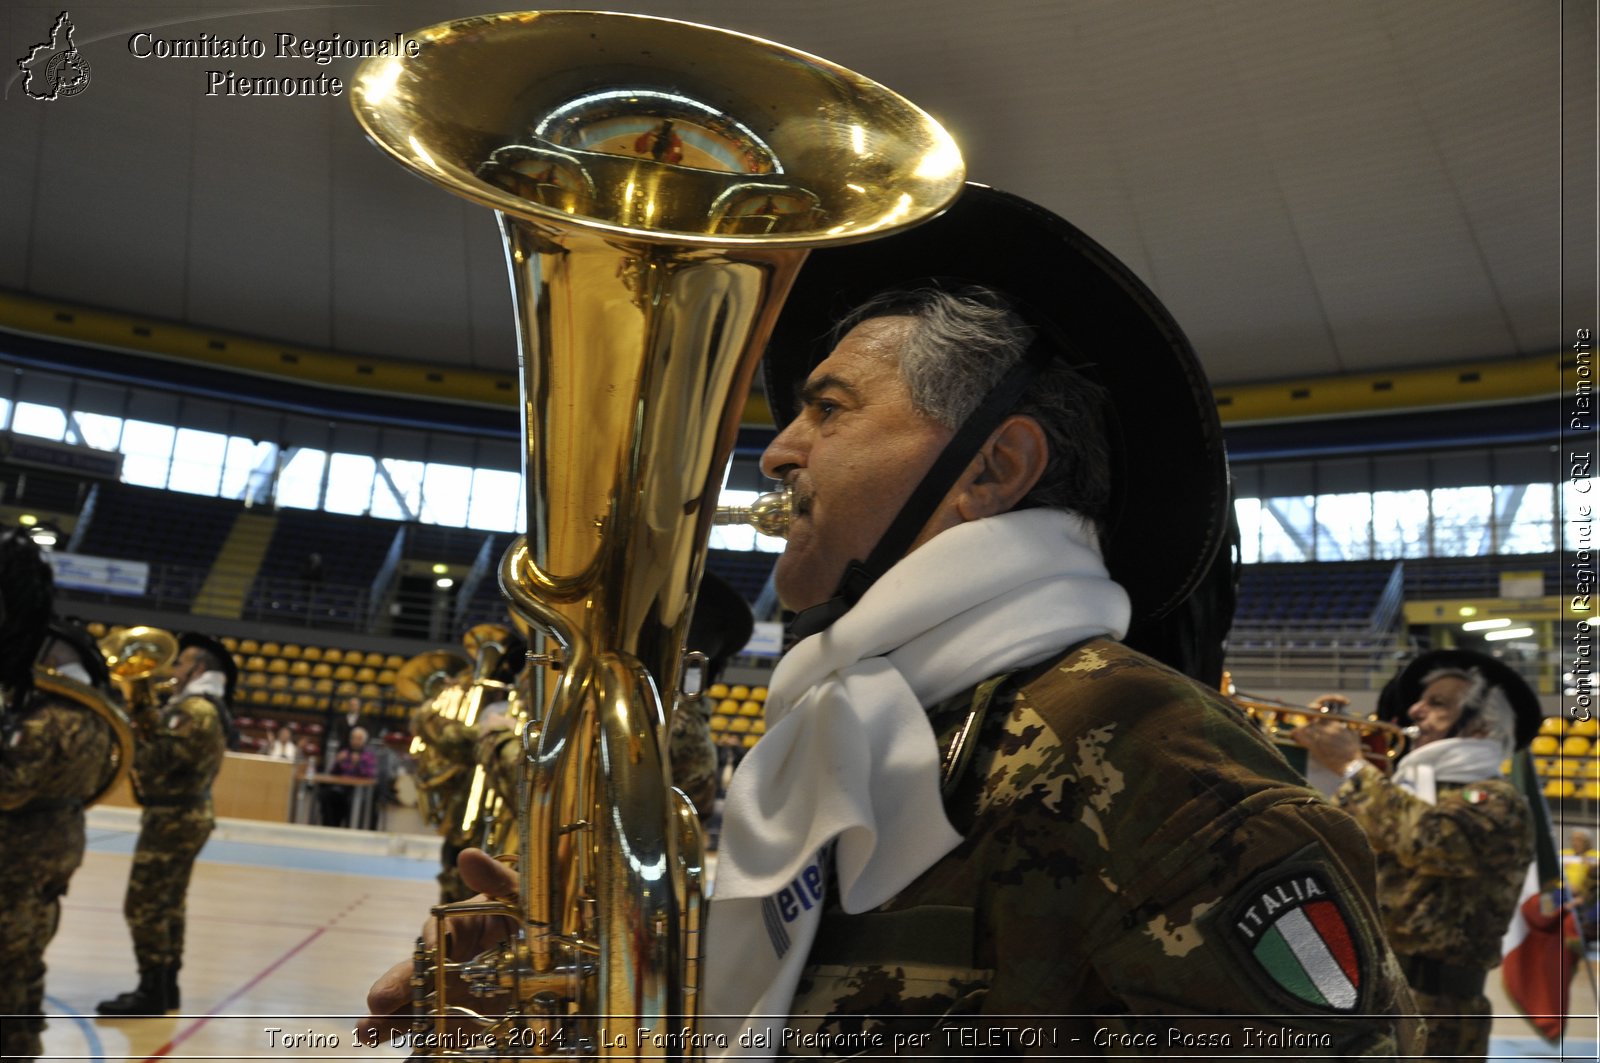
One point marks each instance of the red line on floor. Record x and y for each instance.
(190, 1031)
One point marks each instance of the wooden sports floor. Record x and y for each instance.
(287, 926)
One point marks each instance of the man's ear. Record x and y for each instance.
(1005, 469)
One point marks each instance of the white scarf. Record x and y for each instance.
(214, 683)
(1449, 760)
(849, 754)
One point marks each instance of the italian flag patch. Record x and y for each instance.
(1296, 932)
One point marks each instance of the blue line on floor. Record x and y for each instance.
(96, 1051)
(254, 854)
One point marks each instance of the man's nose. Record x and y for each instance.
(783, 454)
(1416, 712)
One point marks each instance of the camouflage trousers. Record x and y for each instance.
(42, 850)
(169, 840)
(1458, 1027)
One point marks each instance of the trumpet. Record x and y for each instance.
(1382, 743)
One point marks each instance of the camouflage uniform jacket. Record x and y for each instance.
(1138, 863)
(1461, 861)
(692, 753)
(178, 752)
(54, 756)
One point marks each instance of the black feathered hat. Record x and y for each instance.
(230, 668)
(1402, 692)
(721, 625)
(1169, 505)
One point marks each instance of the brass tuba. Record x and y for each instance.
(65, 687)
(658, 185)
(140, 661)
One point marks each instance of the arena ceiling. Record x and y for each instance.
(1315, 188)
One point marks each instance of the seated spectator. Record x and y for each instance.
(356, 760)
(282, 746)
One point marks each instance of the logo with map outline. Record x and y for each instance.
(55, 68)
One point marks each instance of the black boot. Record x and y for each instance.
(170, 986)
(149, 999)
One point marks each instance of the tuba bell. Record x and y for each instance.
(140, 661)
(658, 185)
(120, 763)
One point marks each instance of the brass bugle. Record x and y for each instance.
(769, 514)
(1383, 743)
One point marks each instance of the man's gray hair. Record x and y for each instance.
(1486, 712)
(961, 344)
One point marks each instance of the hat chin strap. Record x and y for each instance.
(859, 576)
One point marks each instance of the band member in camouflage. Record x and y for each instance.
(178, 751)
(1454, 838)
(54, 753)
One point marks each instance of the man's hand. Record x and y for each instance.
(390, 995)
(1333, 745)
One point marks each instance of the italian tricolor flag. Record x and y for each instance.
(1309, 952)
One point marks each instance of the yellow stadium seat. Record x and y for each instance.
(322, 670)
(751, 740)
(739, 724)
(332, 655)
(1587, 728)
(300, 684)
(282, 699)
(374, 659)
(1574, 746)
(297, 667)
(718, 691)
(291, 651)
(394, 660)
(253, 679)
(278, 682)
(260, 696)
(229, 643)
(1589, 769)
(738, 692)
(249, 646)
(759, 693)
(1544, 746)
(1556, 789)
(348, 687)
(758, 726)
(1590, 791)
(750, 708)
(97, 629)
(719, 723)
(305, 701)
(366, 675)
(256, 663)
(1562, 768)
(1553, 725)
(344, 671)
(728, 707)
(371, 690)
(312, 653)
(278, 666)
(386, 677)
(271, 649)
(322, 686)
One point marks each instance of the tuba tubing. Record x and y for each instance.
(121, 760)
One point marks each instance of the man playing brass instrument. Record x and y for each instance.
(179, 750)
(974, 807)
(54, 754)
(1454, 839)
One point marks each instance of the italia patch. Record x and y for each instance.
(1290, 924)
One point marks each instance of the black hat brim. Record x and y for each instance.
(1402, 692)
(1170, 489)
